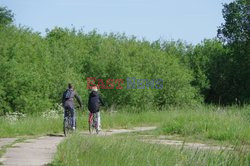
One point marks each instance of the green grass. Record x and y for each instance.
(231, 124)
(31, 125)
(38, 125)
(221, 125)
(228, 125)
(201, 123)
(125, 150)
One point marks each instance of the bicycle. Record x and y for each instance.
(68, 123)
(93, 123)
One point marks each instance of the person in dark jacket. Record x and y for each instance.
(68, 102)
(94, 103)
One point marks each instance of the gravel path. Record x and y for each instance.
(195, 146)
(117, 131)
(40, 151)
(6, 141)
(32, 152)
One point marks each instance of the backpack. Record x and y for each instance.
(68, 94)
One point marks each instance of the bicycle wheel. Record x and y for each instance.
(95, 121)
(66, 126)
(91, 123)
(91, 126)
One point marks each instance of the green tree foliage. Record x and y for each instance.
(237, 22)
(222, 68)
(35, 70)
(6, 16)
(235, 32)
(23, 71)
(118, 57)
(208, 61)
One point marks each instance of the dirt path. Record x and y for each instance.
(195, 146)
(40, 151)
(118, 131)
(32, 152)
(6, 141)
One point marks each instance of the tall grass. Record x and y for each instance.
(228, 124)
(209, 123)
(120, 150)
(222, 124)
(31, 125)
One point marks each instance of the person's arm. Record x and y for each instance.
(78, 99)
(101, 100)
(63, 100)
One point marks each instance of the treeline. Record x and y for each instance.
(34, 70)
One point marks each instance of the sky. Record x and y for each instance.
(188, 20)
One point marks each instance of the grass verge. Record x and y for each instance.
(31, 125)
(125, 150)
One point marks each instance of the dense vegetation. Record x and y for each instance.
(34, 70)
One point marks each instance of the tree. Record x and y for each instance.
(235, 33)
(6, 16)
(237, 22)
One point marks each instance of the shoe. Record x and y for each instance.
(74, 128)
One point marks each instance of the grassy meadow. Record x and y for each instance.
(227, 126)
(210, 123)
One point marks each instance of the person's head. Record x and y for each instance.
(94, 88)
(70, 86)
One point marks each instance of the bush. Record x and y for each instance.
(35, 70)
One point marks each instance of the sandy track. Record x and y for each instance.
(40, 151)
(6, 141)
(32, 152)
(195, 145)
